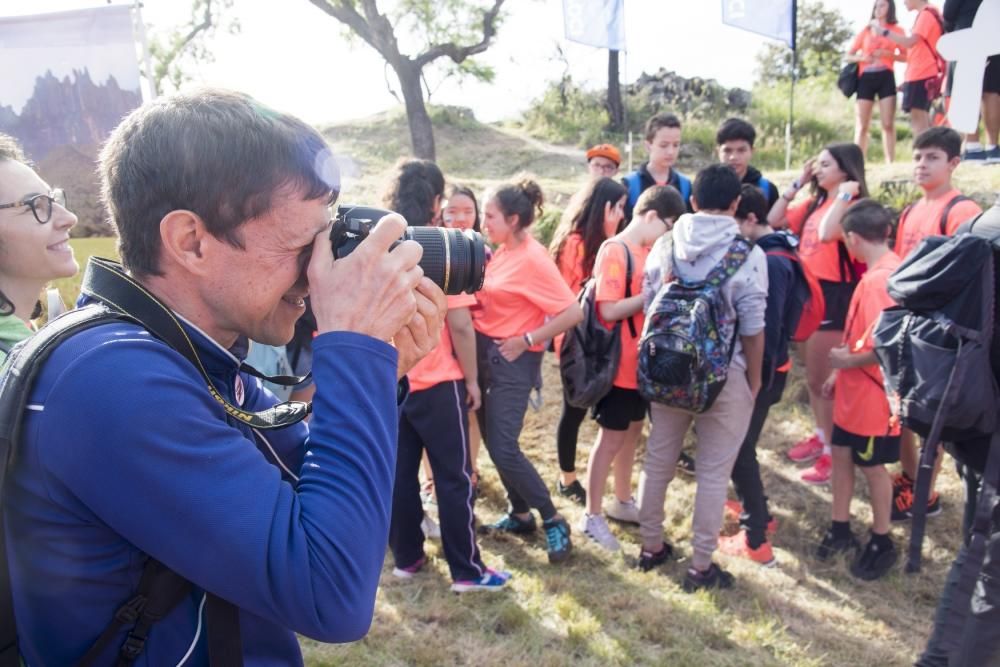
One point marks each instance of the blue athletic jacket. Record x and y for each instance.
(124, 453)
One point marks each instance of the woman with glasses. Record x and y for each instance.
(34, 243)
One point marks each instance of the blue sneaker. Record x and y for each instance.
(993, 155)
(491, 581)
(557, 535)
(978, 156)
(509, 523)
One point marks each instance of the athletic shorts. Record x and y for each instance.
(991, 79)
(879, 84)
(867, 450)
(620, 408)
(915, 95)
(837, 299)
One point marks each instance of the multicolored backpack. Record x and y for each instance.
(683, 357)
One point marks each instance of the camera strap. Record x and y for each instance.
(107, 282)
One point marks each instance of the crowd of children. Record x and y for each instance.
(807, 271)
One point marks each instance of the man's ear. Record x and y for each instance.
(183, 240)
(694, 203)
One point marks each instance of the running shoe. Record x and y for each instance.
(737, 545)
(831, 545)
(411, 570)
(650, 559)
(685, 465)
(491, 581)
(820, 473)
(509, 523)
(979, 156)
(808, 449)
(993, 155)
(875, 561)
(574, 491)
(596, 528)
(902, 505)
(557, 535)
(713, 577)
(625, 512)
(734, 512)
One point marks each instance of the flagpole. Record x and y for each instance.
(791, 96)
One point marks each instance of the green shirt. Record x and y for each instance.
(12, 330)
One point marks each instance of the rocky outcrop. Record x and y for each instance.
(698, 97)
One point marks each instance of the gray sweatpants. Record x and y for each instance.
(720, 432)
(506, 387)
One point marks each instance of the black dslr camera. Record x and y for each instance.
(454, 259)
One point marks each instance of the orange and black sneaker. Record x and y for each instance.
(902, 504)
(737, 545)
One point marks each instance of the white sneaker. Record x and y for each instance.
(431, 530)
(596, 528)
(626, 512)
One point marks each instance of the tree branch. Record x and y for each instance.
(460, 53)
(373, 27)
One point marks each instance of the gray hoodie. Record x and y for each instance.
(699, 242)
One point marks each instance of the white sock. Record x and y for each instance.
(990, 147)
(973, 146)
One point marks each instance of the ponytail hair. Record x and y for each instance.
(522, 198)
(412, 190)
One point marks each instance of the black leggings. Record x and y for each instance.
(566, 435)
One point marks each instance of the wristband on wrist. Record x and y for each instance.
(844, 196)
(885, 32)
(796, 185)
(528, 339)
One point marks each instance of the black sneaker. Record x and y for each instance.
(831, 546)
(713, 577)
(557, 535)
(574, 491)
(648, 560)
(874, 562)
(685, 465)
(509, 523)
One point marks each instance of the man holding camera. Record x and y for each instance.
(130, 451)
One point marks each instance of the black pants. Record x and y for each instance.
(968, 635)
(746, 470)
(567, 433)
(436, 419)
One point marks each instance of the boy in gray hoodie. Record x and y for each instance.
(699, 242)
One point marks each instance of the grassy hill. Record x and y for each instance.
(596, 610)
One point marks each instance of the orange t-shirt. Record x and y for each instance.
(441, 365)
(610, 270)
(571, 262)
(522, 287)
(920, 61)
(868, 43)
(924, 219)
(822, 258)
(859, 402)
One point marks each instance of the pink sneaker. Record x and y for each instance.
(820, 472)
(805, 450)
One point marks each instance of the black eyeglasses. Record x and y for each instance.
(41, 205)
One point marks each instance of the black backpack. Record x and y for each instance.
(590, 352)
(934, 352)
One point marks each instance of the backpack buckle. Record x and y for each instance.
(129, 612)
(132, 648)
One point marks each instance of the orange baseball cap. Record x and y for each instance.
(605, 150)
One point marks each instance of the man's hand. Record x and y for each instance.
(422, 333)
(371, 291)
(840, 357)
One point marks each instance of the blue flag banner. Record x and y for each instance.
(599, 23)
(771, 18)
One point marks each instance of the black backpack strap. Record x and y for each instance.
(628, 285)
(943, 225)
(225, 645)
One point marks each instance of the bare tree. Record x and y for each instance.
(443, 26)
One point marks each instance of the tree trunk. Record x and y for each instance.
(616, 110)
(421, 131)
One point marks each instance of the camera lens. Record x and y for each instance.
(454, 259)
